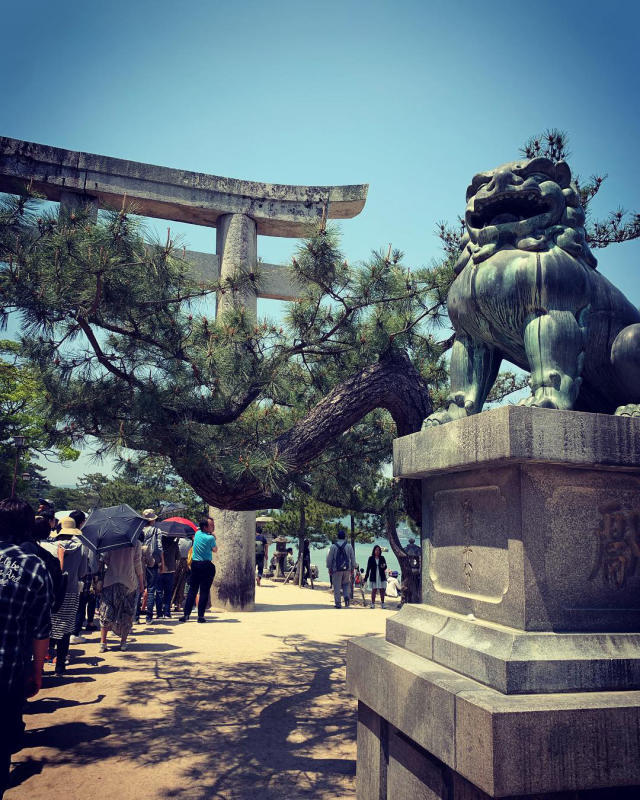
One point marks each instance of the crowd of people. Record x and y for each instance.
(52, 585)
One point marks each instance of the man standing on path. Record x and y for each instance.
(411, 584)
(261, 552)
(306, 563)
(185, 543)
(26, 595)
(152, 543)
(87, 598)
(167, 571)
(341, 562)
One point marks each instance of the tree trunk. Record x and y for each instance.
(408, 578)
(301, 533)
(391, 532)
(234, 586)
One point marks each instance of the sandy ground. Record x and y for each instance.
(246, 705)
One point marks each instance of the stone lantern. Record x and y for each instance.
(280, 554)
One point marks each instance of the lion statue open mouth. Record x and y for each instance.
(527, 290)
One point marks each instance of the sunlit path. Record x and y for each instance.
(248, 704)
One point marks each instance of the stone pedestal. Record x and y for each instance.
(519, 676)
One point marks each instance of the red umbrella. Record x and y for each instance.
(177, 526)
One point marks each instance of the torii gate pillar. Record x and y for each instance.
(234, 587)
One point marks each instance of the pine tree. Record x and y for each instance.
(129, 354)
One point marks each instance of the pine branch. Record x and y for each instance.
(392, 383)
(102, 358)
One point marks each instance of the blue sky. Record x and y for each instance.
(410, 97)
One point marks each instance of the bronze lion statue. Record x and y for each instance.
(527, 290)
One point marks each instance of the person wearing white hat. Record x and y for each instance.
(152, 540)
(73, 561)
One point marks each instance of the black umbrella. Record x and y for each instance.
(113, 527)
(177, 526)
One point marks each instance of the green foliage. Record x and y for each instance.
(301, 515)
(142, 482)
(507, 384)
(24, 412)
(145, 481)
(618, 226)
(553, 144)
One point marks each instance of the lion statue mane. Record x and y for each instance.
(527, 290)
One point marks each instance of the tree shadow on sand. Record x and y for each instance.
(281, 727)
(47, 705)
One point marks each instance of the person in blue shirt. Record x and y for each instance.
(202, 569)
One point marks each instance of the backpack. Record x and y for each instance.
(259, 547)
(342, 559)
(152, 542)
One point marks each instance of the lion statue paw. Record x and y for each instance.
(547, 397)
(440, 418)
(456, 410)
(630, 410)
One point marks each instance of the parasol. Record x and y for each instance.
(177, 526)
(112, 528)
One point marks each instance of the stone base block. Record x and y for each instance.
(397, 768)
(519, 662)
(425, 731)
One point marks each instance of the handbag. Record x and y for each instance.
(190, 556)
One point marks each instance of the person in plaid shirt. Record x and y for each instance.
(26, 596)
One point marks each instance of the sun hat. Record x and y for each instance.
(67, 528)
(149, 514)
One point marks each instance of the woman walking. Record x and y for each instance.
(73, 561)
(377, 573)
(123, 580)
(202, 569)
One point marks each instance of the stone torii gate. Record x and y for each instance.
(238, 210)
